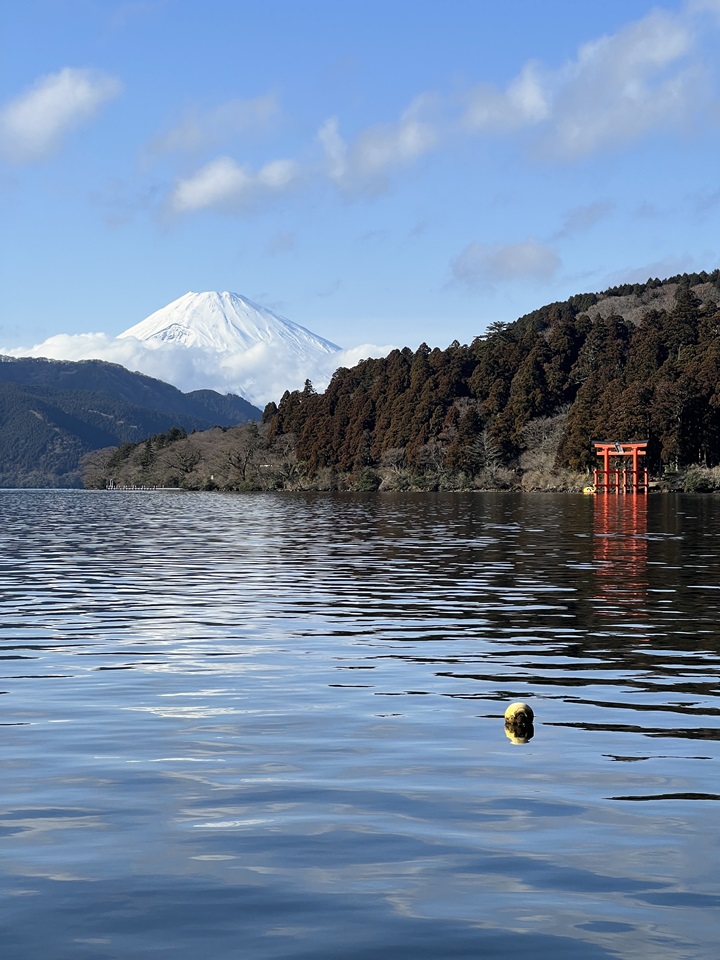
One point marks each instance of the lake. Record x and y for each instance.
(271, 726)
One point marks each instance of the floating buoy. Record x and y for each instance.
(591, 489)
(519, 713)
(519, 718)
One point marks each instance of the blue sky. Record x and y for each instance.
(380, 172)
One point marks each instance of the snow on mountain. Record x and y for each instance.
(225, 342)
(227, 323)
(215, 341)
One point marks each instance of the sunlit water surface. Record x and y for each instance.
(271, 726)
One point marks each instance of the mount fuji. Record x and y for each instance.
(214, 341)
(227, 323)
(224, 341)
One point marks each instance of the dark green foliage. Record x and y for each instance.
(269, 412)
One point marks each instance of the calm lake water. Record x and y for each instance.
(271, 726)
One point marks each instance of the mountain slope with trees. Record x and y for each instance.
(52, 413)
(580, 370)
(520, 405)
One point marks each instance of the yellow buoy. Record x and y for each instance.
(519, 713)
(519, 718)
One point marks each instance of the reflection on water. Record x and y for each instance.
(272, 726)
(620, 554)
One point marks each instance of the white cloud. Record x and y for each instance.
(490, 263)
(225, 185)
(34, 124)
(618, 89)
(378, 150)
(260, 374)
(645, 78)
(703, 6)
(625, 86)
(525, 102)
(336, 150)
(527, 95)
(267, 371)
(353, 355)
(205, 129)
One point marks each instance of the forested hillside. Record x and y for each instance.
(559, 377)
(53, 412)
(520, 405)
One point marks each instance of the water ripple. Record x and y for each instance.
(278, 720)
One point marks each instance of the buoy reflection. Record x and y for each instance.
(519, 734)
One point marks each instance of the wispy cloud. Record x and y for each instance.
(364, 163)
(260, 374)
(625, 86)
(489, 263)
(121, 201)
(705, 203)
(205, 129)
(644, 79)
(525, 102)
(227, 186)
(619, 88)
(705, 6)
(34, 124)
(583, 218)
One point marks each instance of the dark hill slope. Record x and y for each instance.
(97, 376)
(54, 412)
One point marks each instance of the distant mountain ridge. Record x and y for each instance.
(227, 323)
(52, 412)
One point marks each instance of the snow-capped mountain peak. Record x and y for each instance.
(226, 323)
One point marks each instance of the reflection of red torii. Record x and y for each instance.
(621, 479)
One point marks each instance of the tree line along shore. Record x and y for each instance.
(518, 408)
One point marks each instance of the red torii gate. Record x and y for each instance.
(621, 478)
